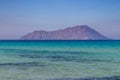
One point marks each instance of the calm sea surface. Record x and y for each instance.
(39, 60)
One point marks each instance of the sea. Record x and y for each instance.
(60, 60)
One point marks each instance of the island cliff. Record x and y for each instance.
(71, 33)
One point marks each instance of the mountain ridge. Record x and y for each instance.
(79, 32)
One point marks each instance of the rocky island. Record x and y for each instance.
(72, 33)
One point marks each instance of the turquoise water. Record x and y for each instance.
(39, 60)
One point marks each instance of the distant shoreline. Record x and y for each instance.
(57, 40)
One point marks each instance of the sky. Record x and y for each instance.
(19, 17)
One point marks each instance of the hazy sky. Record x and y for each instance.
(18, 17)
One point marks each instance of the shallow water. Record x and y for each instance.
(39, 60)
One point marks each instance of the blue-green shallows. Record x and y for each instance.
(38, 60)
